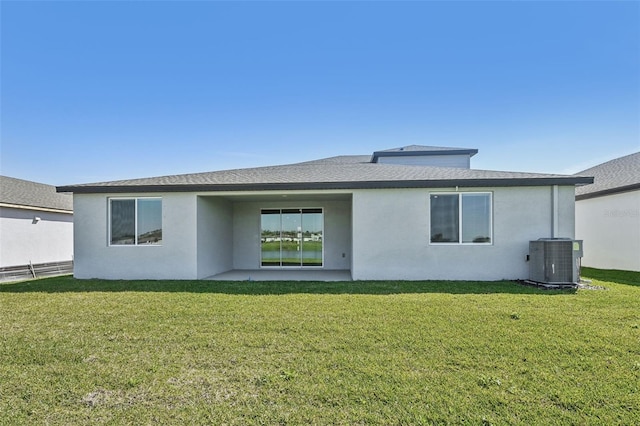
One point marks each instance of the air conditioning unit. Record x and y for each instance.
(555, 262)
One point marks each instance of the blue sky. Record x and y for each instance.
(94, 91)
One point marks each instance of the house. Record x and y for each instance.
(409, 213)
(36, 226)
(608, 215)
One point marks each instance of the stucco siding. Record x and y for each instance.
(610, 228)
(23, 240)
(377, 234)
(459, 161)
(176, 258)
(391, 235)
(566, 211)
(215, 236)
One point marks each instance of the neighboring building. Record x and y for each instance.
(608, 215)
(392, 215)
(36, 223)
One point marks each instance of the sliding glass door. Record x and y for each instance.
(270, 237)
(312, 224)
(291, 237)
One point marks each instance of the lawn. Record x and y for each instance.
(198, 352)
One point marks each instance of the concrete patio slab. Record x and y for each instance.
(282, 275)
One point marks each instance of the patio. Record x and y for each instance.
(282, 275)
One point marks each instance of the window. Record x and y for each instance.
(135, 221)
(461, 218)
(291, 237)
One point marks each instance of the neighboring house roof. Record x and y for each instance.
(619, 175)
(343, 172)
(413, 150)
(18, 193)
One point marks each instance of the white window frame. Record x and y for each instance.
(109, 224)
(459, 242)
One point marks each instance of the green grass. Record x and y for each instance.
(197, 352)
(291, 245)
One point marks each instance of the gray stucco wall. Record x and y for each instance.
(610, 228)
(22, 240)
(203, 235)
(378, 234)
(567, 211)
(391, 235)
(459, 161)
(176, 258)
(215, 236)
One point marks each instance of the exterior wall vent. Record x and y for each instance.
(555, 262)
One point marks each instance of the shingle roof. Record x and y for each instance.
(344, 172)
(618, 175)
(24, 193)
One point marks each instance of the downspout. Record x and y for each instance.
(555, 211)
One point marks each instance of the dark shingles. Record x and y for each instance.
(618, 175)
(343, 172)
(32, 194)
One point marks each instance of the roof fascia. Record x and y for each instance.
(35, 208)
(377, 154)
(298, 186)
(610, 191)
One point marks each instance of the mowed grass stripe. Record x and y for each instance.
(177, 352)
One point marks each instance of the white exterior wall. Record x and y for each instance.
(23, 241)
(202, 235)
(391, 234)
(336, 236)
(459, 161)
(215, 236)
(378, 234)
(610, 228)
(176, 258)
(567, 212)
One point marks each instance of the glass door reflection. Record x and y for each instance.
(291, 237)
(291, 231)
(270, 238)
(311, 237)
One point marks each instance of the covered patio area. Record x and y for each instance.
(274, 236)
(282, 275)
